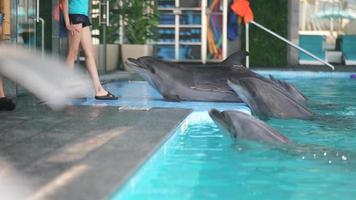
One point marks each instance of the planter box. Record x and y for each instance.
(112, 57)
(135, 51)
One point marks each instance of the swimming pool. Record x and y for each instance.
(200, 162)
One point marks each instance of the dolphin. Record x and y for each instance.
(177, 82)
(269, 100)
(242, 126)
(245, 127)
(291, 89)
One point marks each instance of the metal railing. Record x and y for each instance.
(284, 40)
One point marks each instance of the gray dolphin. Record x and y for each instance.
(268, 100)
(291, 89)
(178, 82)
(242, 126)
(245, 127)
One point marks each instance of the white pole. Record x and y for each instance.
(204, 31)
(43, 35)
(247, 45)
(304, 14)
(224, 30)
(38, 11)
(293, 45)
(177, 13)
(121, 29)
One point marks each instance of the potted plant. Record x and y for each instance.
(140, 19)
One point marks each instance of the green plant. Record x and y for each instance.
(112, 31)
(140, 19)
(265, 49)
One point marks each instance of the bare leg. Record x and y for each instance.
(2, 93)
(86, 42)
(73, 45)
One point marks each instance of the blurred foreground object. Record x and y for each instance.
(13, 185)
(46, 77)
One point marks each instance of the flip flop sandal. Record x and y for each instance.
(109, 96)
(6, 104)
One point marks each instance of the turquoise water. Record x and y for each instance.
(200, 162)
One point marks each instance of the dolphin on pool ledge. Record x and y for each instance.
(178, 82)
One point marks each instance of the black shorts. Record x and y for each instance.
(79, 19)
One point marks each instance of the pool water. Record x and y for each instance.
(201, 162)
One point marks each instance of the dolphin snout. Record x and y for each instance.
(135, 64)
(236, 85)
(140, 63)
(215, 114)
(133, 60)
(132, 63)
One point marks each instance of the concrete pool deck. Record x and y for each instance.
(82, 152)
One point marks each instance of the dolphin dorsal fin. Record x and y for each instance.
(235, 59)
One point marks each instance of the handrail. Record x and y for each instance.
(40, 19)
(43, 34)
(38, 11)
(291, 44)
(247, 45)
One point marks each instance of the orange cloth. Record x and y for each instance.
(57, 10)
(242, 8)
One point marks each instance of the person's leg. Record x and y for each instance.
(2, 93)
(86, 42)
(73, 45)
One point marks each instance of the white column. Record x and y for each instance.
(224, 30)
(247, 43)
(204, 31)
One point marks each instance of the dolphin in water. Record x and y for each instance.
(245, 127)
(291, 89)
(242, 126)
(267, 99)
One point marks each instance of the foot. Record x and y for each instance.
(6, 104)
(108, 96)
